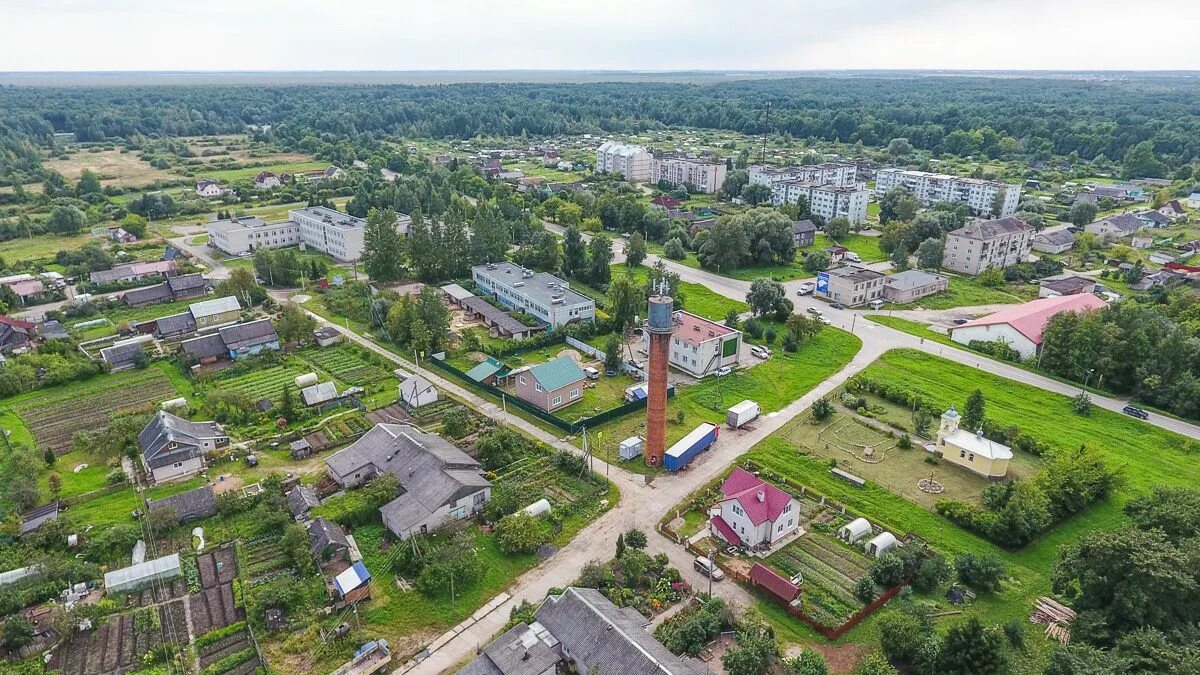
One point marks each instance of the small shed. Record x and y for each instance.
(882, 543)
(34, 519)
(138, 576)
(326, 336)
(854, 530)
(416, 392)
(351, 583)
(319, 393)
(631, 447)
(191, 505)
(772, 582)
(301, 448)
(301, 500)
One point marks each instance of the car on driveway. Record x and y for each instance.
(759, 352)
(837, 305)
(723, 371)
(1134, 411)
(959, 322)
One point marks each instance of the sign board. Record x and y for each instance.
(823, 282)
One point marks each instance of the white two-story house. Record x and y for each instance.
(754, 513)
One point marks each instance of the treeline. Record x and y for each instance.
(963, 116)
(1148, 349)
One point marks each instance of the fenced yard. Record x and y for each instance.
(830, 569)
(344, 363)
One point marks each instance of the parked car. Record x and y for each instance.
(824, 320)
(723, 371)
(759, 352)
(592, 373)
(805, 289)
(708, 568)
(837, 305)
(1134, 411)
(959, 322)
(814, 311)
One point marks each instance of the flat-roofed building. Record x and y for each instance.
(825, 200)
(931, 188)
(911, 285)
(850, 285)
(984, 244)
(238, 236)
(542, 295)
(837, 174)
(631, 162)
(679, 170)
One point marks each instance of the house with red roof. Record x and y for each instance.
(666, 201)
(1021, 326)
(754, 513)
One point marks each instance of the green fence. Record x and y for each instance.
(571, 427)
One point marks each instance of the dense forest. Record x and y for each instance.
(997, 117)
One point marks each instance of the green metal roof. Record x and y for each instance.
(484, 370)
(557, 374)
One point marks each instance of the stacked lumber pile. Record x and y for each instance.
(1056, 616)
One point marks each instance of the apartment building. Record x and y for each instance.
(837, 174)
(679, 170)
(542, 295)
(984, 244)
(238, 236)
(850, 286)
(337, 234)
(932, 188)
(824, 199)
(629, 161)
(700, 347)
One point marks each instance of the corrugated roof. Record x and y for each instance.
(1030, 319)
(215, 306)
(773, 582)
(556, 374)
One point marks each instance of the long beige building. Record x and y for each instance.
(631, 162)
(933, 188)
(337, 234)
(679, 170)
(984, 244)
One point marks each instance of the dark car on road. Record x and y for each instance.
(1134, 411)
(837, 305)
(959, 322)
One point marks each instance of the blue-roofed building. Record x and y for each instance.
(487, 371)
(353, 583)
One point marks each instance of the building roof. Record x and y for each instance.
(725, 530)
(168, 439)
(556, 374)
(207, 308)
(759, 499)
(18, 324)
(318, 393)
(1155, 217)
(457, 292)
(541, 287)
(773, 582)
(32, 520)
(198, 503)
(990, 229)
(245, 335)
(909, 280)
(351, 578)
(412, 388)
(522, 650)
(205, 346)
(697, 329)
(978, 444)
(126, 270)
(326, 333)
(1030, 319)
(484, 370)
(1069, 284)
(1125, 223)
(186, 282)
(610, 639)
(803, 227)
(332, 217)
(432, 471)
(495, 315)
(1055, 237)
(323, 533)
(147, 295)
(28, 287)
(855, 275)
(134, 574)
(301, 500)
(122, 354)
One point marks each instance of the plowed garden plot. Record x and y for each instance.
(345, 365)
(176, 588)
(53, 417)
(118, 645)
(265, 561)
(233, 644)
(214, 608)
(264, 383)
(829, 570)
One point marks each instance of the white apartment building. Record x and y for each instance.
(932, 188)
(699, 346)
(985, 244)
(238, 236)
(629, 161)
(825, 200)
(837, 174)
(541, 294)
(337, 234)
(678, 170)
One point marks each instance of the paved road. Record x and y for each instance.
(216, 269)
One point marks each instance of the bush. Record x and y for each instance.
(520, 533)
(865, 589)
(1082, 404)
(635, 539)
(984, 571)
(822, 409)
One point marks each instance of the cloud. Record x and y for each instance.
(585, 34)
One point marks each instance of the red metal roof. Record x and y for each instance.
(666, 201)
(725, 530)
(16, 323)
(1031, 318)
(759, 499)
(761, 575)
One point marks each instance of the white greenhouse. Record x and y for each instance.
(138, 576)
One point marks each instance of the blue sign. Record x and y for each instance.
(823, 282)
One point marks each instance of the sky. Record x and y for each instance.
(258, 35)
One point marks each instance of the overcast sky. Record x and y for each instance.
(90, 35)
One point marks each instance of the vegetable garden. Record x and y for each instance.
(830, 570)
(346, 365)
(263, 383)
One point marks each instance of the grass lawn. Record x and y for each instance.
(250, 172)
(76, 483)
(921, 330)
(697, 299)
(968, 292)
(42, 247)
(866, 247)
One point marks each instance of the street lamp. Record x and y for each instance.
(1088, 378)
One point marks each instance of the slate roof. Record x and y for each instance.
(412, 388)
(129, 270)
(319, 393)
(205, 346)
(250, 334)
(611, 640)
(432, 471)
(747, 488)
(176, 324)
(1155, 217)
(32, 520)
(523, 650)
(1071, 284)
(323, 533)
(556, 374)
(990, 229)
(495, 315)
(190, 505)
(1125, 223)
(147, 295)
(803, 227)
(911, 279)
(1055, 237)
(301, 500)
(326, 333)
(122, 354)
(168, 439)
(457, 292)
(215, 306)
(855, 274)
(186, 282)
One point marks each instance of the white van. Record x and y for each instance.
(592, 373)
(853, 257)
(708, 568)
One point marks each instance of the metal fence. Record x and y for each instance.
(601, 355)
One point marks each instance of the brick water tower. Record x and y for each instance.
(660, 323)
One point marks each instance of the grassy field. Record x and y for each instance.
(42, 247)
(697, 299)
(250, 172)
(123, 169)
(917, 328)
(866, 247)
(968, 292)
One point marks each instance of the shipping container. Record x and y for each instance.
(631, 447)
(682, 453)
(742, 414)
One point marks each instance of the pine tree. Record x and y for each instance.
(973, 413)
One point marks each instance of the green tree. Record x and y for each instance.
(983, 571)
(599, 259)
(574, 253)
(901, 634)
(520, 533)
(635, 539)
(1141, 162)
(822, 408)
(383, 246)
(929, 254)
(612, 352)
(969, 649)
(456, 422)
(992, 277)
(18, 632)
(1173, 510)
(635, 253)
(975, 411)
(294, 324)
(756, 193)
(242, 285)
(624, 299)
(764, 296)
(899, 148)
(875, 664)
(287, 403)
(1082, 404)
(922, 418)
(433, 314)
(899, 259)
(732, 319)
(808, 662)
(837, 228)
(674, 250)
(1082, 213)
(932, 573)
(66, 219)
(89, 183)
(817, 261)
(755, 651)
(897, 204)
(620, 545)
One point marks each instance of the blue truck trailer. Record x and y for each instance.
(681, 454)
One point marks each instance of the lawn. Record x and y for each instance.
(968, 292)
(250, 172)
(917, 328)
(42, 247)
(866, 247)
(697, 299)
